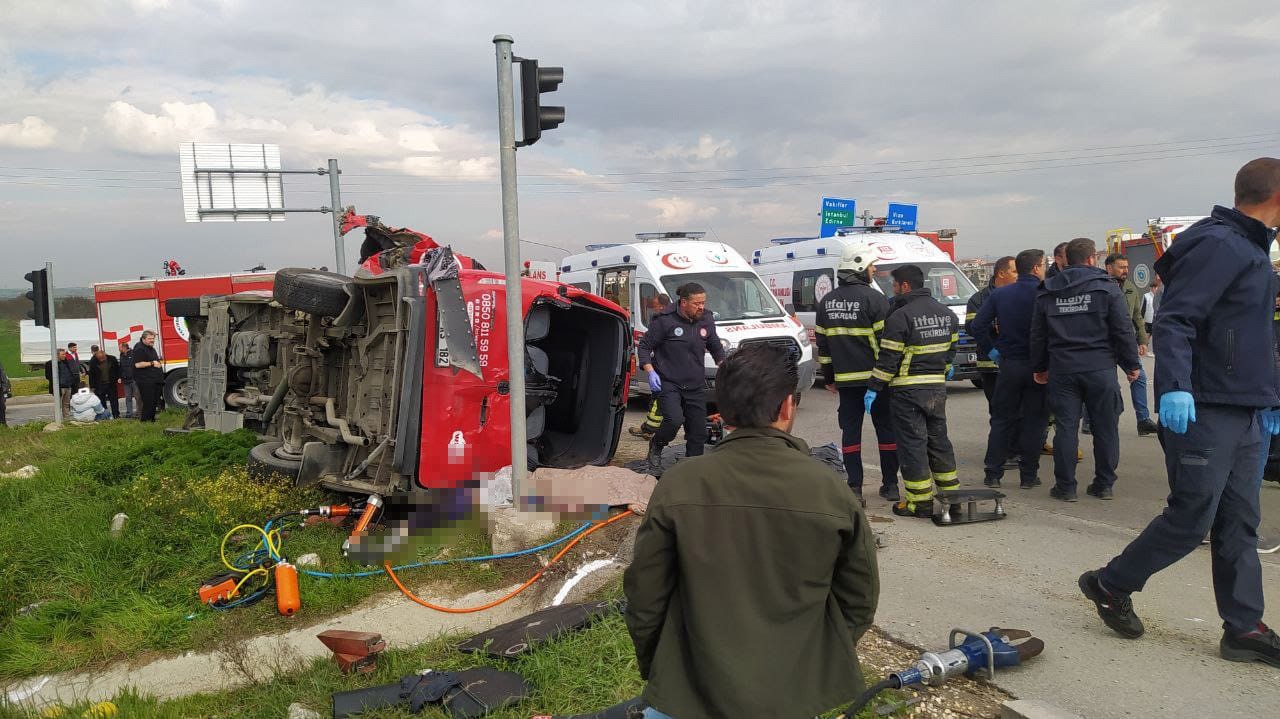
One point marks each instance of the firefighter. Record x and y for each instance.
(849, 322)
(653, 418)
(1081, 330)
(1003, 274)
(1018, 410)
(1219, 392)
(916, 350)
(672, 352)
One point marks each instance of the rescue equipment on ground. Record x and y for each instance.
(960, 506)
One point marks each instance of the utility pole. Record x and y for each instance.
(511, 253)
(54, 382)
(335, 205)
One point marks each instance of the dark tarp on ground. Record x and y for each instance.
(527, 633)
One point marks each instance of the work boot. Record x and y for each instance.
(639, 432)
(1259, 645)
(1012, 462)
(1100, 492)
(1116, 610)
(890, 493)
(1086, 428)
(1079, 455)
(654, 461)
(920, 511)
(1047, 449)
(1030, 483)
(991, 481)
(1146, 427)
(1062, 494)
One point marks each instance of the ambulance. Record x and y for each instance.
(126, 309)
(799, 271)
(638, 274)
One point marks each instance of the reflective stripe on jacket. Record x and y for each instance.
(849, 321)
(918, 343)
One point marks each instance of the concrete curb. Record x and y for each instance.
(1033, 709)
(30, 400)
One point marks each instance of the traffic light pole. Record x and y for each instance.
(511, 252)
(54, 383)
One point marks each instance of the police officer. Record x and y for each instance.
(672, 353)
(848, 326)
(1217, 383)
(916, 350)
(1080, 331)
(1018, 411)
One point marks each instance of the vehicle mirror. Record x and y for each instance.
(789, 308)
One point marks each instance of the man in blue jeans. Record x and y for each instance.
(1219, 391)
(1118, 268)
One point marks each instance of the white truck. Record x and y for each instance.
(801, 270)
(635, 275)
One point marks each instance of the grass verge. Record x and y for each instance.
(10, 346)
(98, 598)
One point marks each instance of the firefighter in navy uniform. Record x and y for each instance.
(672, 353)
(1081, 330)
(848, 326)
(916, 350)
(1219, 392)
(1003, 273)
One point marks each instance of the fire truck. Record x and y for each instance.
(1144, 248)
(126, 309)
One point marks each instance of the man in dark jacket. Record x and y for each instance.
(127, 380)
(1080, 330)
(1218, 387)
(104, 379)
(1018, 410)
(754, 573)
(672, 353)
(1003, 273)
(148, 372)
(916, 350)
(1059, 261)
(68, 379)
(849, 321)
(4, 394)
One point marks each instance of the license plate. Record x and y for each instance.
(968, 358)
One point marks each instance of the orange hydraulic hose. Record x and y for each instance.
(521, 588)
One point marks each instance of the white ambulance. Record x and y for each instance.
(800, 270)
(636, 275)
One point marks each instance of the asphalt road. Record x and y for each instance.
(1021, 572)
(22, 412)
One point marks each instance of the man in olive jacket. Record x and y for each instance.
(754, 573)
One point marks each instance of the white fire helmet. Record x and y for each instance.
(858, 256)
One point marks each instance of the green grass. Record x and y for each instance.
(10, 351)
(105, 599)
(579, 673)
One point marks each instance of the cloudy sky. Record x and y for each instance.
(1020, 124)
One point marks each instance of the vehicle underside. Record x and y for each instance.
(397, 378)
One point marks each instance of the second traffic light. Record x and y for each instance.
(39, 296)
(537, 117)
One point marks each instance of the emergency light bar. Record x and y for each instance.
(651, 236)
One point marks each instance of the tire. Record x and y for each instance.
(177, 389)
(312, 291)
(182, 306)
(264, 464)
(976, 382)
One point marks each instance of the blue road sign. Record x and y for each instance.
(902, 215)
(836, 213)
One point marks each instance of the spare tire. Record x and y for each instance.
(264, 464)
(182, 306)
(312, 291)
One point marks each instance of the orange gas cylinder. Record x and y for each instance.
(288, 601)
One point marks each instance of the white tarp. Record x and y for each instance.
(35, 339)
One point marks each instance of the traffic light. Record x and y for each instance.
(39, 296)
(534, 81)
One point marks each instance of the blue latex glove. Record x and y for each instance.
(994, 355)
(1271, 421)
(951, 372)
(1176, 410)
(655, 382)
(868, 400)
